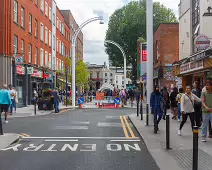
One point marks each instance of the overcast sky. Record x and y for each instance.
(94, 33)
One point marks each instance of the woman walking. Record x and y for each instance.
(179, 100)
(187, 107)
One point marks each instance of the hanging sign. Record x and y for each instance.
(20, 70)
(37, 73)
(202, 42)
(30, 70)
(19, 60)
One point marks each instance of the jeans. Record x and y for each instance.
(206, 118)
(185, 117)
(109, 99)
(159, 114)
(13, 105)
(179, 110)
(56, 106)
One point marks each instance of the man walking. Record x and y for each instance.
(206, 109)
(56, 100)
(5, 101)
(12, 96)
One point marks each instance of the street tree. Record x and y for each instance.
(82, 74)
(127, 24)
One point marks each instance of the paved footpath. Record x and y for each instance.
(81, 139)
(180, 156)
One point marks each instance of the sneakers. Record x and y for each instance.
(179, 132)
(203, 140)
(178, 120)
(6, 121)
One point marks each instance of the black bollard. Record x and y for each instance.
(35, 103)
(167, 131)
(1, 128)
(137, 109)
(195, 148)
(141, 110)
(147, 115)
(155, 120)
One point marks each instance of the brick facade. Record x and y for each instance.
(166, 52)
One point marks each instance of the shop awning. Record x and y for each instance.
(64, 81)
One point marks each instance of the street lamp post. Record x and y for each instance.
(124, 56)
(74, 54)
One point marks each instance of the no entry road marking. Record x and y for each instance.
(124, 140)
(79, 137)
(60, 140)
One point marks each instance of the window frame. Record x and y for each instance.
(42, 32)
(50, 38)
(30, 53)
(15, 11)
(15, 46)
(30, 23)
(46, 36)
(22, 17)
(36, 55)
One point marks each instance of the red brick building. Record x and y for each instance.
(166, 52)
(36, 32)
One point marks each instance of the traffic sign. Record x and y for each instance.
(117, 100)
(81, 101)
(19, 60)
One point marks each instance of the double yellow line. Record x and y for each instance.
(126, 127)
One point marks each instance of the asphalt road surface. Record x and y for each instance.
(86, 139)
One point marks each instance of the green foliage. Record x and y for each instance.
(81, 73)
(127, 24)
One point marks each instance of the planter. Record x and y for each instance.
(44, 104)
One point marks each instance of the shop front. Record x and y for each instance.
(36, 79)
(20, 79)
(197, 67)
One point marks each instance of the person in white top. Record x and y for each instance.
(12, 96)
(187, 107)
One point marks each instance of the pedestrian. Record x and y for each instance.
(174, 102)
(122, 95)
(206, 109)
(179, 100)
(156, 106)
(208, 80)
(187, 107)
(165, 96)
(197, 105)
(5, 101)
(12, 97)
(56, 100)
(16, 99)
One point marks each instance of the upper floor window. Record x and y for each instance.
(36, 28)
(22, 47)
(15, 45)
(41, 57)
(41, 32)
(50, 38)
(105, 74)
(111, 74)
(30, 53)
(50, 14)
(36, 2)
(157, 53)
(15, 11)
(36, 55)
(30, 23)
(53, 18)
(22, 17)
(42, 5)
(46, 9)
(46, 35)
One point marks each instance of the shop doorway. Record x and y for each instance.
(20, 92)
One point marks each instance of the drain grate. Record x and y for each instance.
(184, 158)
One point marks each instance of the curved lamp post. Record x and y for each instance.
(74, 54)
(124, 56)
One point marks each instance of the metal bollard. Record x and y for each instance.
(155, 121)
(195, 148)
(35, 102)
(137, 109)
(1, 127)
(147, 115)
(167, 131)
(141, 110)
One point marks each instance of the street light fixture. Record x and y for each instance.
(124, 56)
(74, 53)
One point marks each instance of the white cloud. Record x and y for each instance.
(94, 33)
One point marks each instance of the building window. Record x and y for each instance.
(36, 2)
(15, 11)
(15, 44)
(41, 32)
(53, 18)
(60, 26)
(46, 35)
(22, 17)
(22, 47)
(50, 38)
(57, 23)
(111, 80)
(50, 61)
(111, 74)
(36, 55)
(30, 53)
(41, 57)
(157, 53)
(46, 9)
(91, 75)
(50, 14)
(105, 74)
(57, 45)
(46, 58)
(105, 80)
(62, 29)
(36, 28)
(30, 23)
(122, 82)
(53, 42)
(98, 75)
(42, 5)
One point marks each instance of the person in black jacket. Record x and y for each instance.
(197, 105)
(174, 108)
(165, 96)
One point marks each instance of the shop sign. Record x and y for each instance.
(37, 73)
(20, 70)
(30, 70)
(202, 42)
(19, 60)
(191, 66)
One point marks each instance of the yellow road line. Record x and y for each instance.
(124, 127)
(129, 128)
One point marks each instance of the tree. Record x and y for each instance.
(81, 74)
(127, 24)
